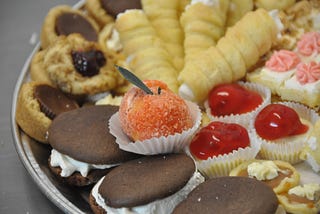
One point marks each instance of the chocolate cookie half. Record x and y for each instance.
(81, 144)
(152, 184)
(230, 195)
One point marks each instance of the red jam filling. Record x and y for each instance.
(218, 138)
(227, 99)
(277, 121)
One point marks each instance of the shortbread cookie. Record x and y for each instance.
(79, 67)
(64, 20)
(37, 104)
(105, 11)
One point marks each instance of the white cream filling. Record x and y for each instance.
(69, 165)
(275, 16)
(113, 43)
(266, 170)
(307, 191)
(161, 206)
(185, 92)
(210, 3)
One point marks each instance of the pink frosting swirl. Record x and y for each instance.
(282, 61)
(309, 43)
(308, 72)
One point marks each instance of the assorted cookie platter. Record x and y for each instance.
(78, 198)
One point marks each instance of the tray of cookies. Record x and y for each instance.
(174, 106)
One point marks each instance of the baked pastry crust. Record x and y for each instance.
(58, 63)
(48, 32)
(37, 70)
(284, 185)
(96, 11)
(28, 114)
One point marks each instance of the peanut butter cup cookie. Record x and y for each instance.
(64, 20)
(37, 105)
(79, 67)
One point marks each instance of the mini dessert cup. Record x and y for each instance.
(243, 119)
(289, 148)
(221, 165)
(165, 144)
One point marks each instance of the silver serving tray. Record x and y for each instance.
(34, 157)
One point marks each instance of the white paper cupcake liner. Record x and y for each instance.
(286, 149)
(169, 144)
(244, 119)
(222, 165)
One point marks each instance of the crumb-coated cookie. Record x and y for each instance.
(64, 20)
(79, 67)
(37, 104)
(105, 11)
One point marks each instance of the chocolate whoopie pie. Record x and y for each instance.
(82, 135)
(151, 179)
(230, 195)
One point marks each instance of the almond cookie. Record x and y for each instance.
(64, 20)
(37, 104)
(79, 67)
(105, 11)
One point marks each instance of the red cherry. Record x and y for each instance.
(218, 138)
(277, 121)
(227, 99)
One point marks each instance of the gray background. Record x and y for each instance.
(19, 20)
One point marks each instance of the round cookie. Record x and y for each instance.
(64, 20)
(105, 11)
(288, 176)
(37, 71)
(38, 103)
(230, 195)
(144, 181)
(79, 67)
(82, 135)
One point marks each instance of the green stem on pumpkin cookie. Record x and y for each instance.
(133, 79)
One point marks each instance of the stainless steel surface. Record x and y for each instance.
(20, 23)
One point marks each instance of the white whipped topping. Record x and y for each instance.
(161, 206)
(313, 163)
(275, 16)
(70, 165)
(307, 191)
(265, 170)
(113, 43)
(185, 92)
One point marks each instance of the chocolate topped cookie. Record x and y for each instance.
(145, 181)
(83, 134)
(38, 103)
(230, 195)
(64, 20)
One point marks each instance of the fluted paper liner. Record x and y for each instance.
(169, 144)
(221, 165)
(244, 119)
(285, 149)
